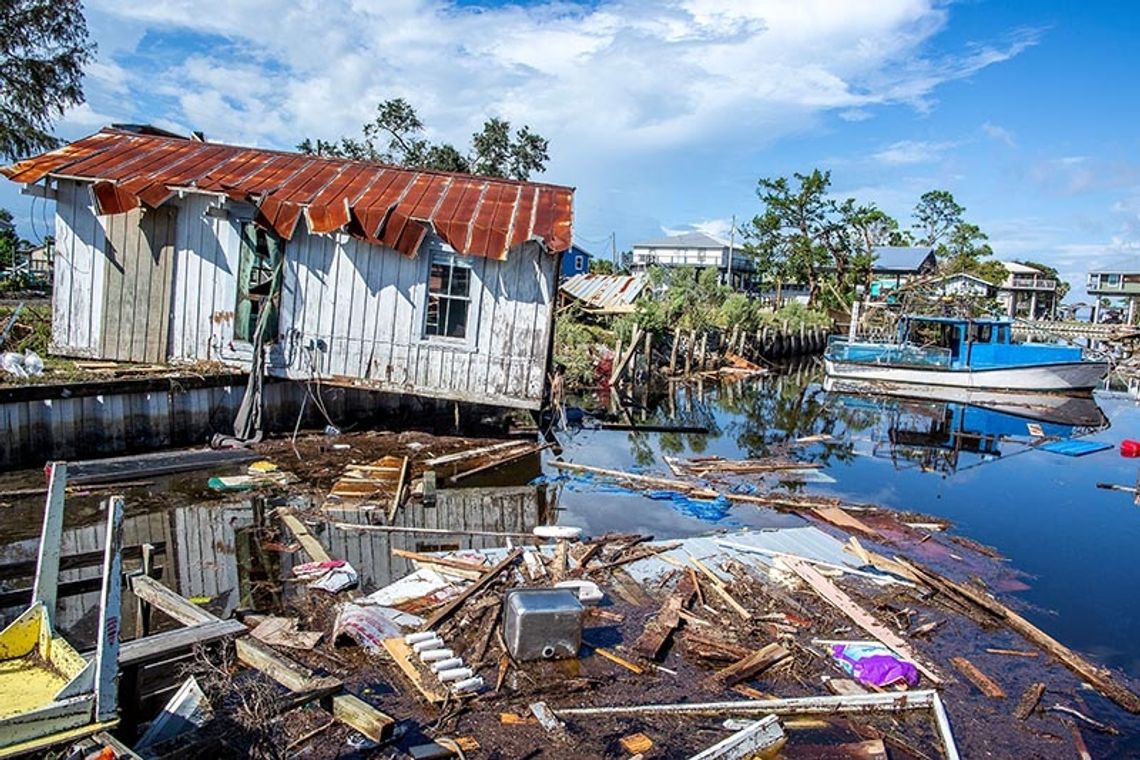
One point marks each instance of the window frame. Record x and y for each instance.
(273, 329)
(442, 253)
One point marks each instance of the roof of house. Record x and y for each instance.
(612, 293)
(890, 258)
(392, 206)
(958, 276)
(687, 240)
(1017, 268)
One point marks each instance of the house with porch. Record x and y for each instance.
(1027, 292)
(697, 250)
(1114, 284)
(176, 250)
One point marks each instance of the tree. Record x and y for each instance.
(936, 216)
(394, 136)
(868, 227)
(10, 242)
(43, 49)
(796, 235)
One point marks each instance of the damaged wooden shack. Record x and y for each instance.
(180, 251)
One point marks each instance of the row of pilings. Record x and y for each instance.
(684, 352)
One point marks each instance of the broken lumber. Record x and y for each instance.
(742, 670)
(662, 625)
(401, 485)
(985, 684)
(510, 456)
(448, 609)
(1029, 700)
(468, 570)
(402, 655)
(461, 455)
(1099, 678)
(839, 599)
(308, 542)
(754, 740)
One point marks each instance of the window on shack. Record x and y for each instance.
(449, 297)
(258, 283)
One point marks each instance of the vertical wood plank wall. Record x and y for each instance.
(349, 309)
(138, 283)
(78, 280)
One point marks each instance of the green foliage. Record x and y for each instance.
(43, 49)
(10, 243)
(936, 216)
(394, 136)
(577, 347)
(602, 266)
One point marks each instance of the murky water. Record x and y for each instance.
(976, 466)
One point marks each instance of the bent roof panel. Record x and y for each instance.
(133, 169)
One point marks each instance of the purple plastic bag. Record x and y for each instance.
(876, 669)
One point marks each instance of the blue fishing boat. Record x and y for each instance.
(964, 353)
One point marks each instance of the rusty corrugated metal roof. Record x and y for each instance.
(613, 293)
(478, 216)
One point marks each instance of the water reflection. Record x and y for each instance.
(945, 430)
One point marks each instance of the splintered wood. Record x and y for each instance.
(750, 666)
(658, 630)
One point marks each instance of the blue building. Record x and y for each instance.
(575, 261)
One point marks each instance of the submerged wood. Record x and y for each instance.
(1029, 700)
(658, 630)
(985, 684)
(1099, 678)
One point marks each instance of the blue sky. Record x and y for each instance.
(664, 114)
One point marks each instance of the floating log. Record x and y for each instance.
(1029, 700)
(741, 670)
(1100, 679)
(985, 684)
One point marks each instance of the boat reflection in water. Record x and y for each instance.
(950, 429)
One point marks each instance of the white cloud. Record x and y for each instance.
(912, 152)
(999, 134)
(630, 75)
(720, 229)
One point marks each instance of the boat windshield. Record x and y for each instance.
(945, 335)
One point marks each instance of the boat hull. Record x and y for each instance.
(1061, 377)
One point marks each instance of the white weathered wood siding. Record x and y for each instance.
(205, 283)
(516, 509)
(352, 310)
(79, 272)
(349, 310)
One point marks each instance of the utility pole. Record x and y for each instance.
(731, 249)
(613, 250)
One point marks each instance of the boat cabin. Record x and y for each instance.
(977, 343)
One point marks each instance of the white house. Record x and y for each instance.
(1027, 292)
(178, 250)
(697, 250)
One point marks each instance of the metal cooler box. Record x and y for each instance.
(542, 623)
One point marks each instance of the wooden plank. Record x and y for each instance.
(511, 456)
(742, 670)
(842, 519)
(658, 630)
(762, 735)
(985, 684)
(168, 602)
(308, 542)
(403, 656)
(365, 718)
(835, 596)
(448, 609)
(1029, 700)
(47, 566)
(292, 675)
(398, 497)
(468, 570)
(111, 617)
(160, 646)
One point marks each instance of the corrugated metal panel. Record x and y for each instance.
(606, 292)
(478, 216)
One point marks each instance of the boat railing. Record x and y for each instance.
(841, 349)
